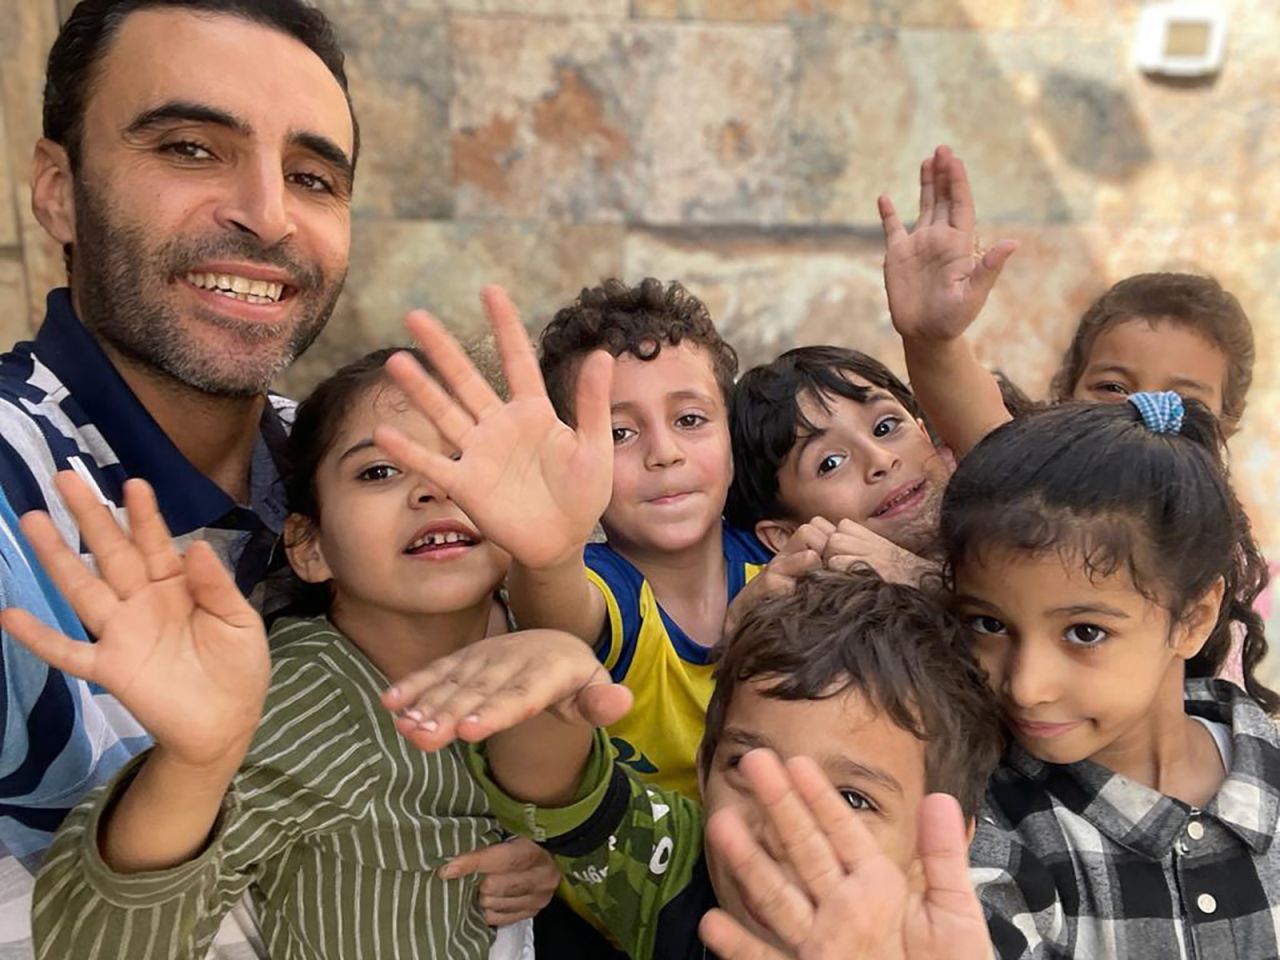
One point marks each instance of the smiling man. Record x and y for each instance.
(196, 167)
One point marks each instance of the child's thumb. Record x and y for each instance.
(602, 704)
(989, 267)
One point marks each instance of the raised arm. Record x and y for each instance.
(937, 281)
(177, 645)
(531, 483)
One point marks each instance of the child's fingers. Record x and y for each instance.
(988, 269)
(592, 413)
(808, 536)
(778, 901)
(848, 836)
(91, 598)
(604, 704)
(890, 222)
(150, 533)
(792, 565)
(455, 368)
(944, 853)
(73, 657)
(473, 688)
(926, 192)
(941, 207)
(519, 361)
(961, 214)
(807, 849)
(511, 858)
(436, 467)
(729, 940)
(213, 589)
(119, 562)
(429, 398)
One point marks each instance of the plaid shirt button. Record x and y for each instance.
(1195, 830)
(1206, 903)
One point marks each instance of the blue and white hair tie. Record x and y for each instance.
(1162, 412)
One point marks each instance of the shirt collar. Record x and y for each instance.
(188, 499)
(1148, 822)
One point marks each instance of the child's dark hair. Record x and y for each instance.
(1016, 401)
(897, 647)
(316, 425)
(1184, 298)
(766, 420)
(1091, 481)
(638, 320)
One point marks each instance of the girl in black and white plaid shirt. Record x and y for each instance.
(1104, 564)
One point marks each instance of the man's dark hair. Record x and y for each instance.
(897, 647)
(639, 320)
(87, 34)
(766, 420)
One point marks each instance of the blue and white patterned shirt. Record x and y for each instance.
(64, 406)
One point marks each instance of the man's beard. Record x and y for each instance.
(122, 287)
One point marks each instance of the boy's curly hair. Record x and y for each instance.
(896, 646)
(639, 320)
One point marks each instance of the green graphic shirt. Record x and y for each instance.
(631, 852)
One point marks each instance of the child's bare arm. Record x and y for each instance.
(535, 696)
(531, 483)
(177, 645)
(937, 282)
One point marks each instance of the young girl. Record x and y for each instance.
(1102, 559)
(338, 830)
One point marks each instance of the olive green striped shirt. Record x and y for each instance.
(335, 825)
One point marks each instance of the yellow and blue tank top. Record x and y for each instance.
(669, 674)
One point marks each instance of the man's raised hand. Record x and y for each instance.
(533, 484)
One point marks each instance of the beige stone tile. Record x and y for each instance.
(770, 291)
(1255, 466)
(9, 191)
(593, 121)
(398, 68)
(14, 313)
(950, 14)
(441, 266)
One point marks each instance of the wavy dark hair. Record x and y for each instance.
(895, 645)
(639, 320)
(1091, 481)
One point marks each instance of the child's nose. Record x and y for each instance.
(424, 491)
(664, 449)
(1031, 675)
(880, 462)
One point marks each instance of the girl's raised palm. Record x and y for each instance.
(177, 643)
(936, 278)
(531, 483)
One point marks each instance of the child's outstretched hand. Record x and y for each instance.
(936, 277)
(177, 643)
(531, 483)
(500, 682)
(801, 553)
(842, 897)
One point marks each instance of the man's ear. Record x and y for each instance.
(774, 534)
(1193, 628)
(52, 191)
(302, 547)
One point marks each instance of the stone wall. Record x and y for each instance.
(739, 145)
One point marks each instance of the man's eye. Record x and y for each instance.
(379, 471)
(988, 625)
(312, 181)
(857, 800)
(830, 462)
(886, 426)
(622, 434)
(1086, 634)
(188, 150)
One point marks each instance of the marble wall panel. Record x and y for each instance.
(9, 235)
(399, 265)
(952, 14)
(592, 121)
(14, 317)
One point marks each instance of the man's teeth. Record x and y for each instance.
(440, 540)
(237, 288)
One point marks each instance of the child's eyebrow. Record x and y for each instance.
(1080, 609)
(356, 447)
(840, 767)
(673, 395)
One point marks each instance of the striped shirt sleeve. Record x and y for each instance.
(302, 777)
